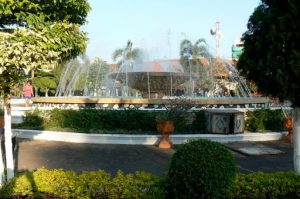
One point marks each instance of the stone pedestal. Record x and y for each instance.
(225, 121)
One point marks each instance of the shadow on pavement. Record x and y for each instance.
(33, 154)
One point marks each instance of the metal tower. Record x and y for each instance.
(215, 31)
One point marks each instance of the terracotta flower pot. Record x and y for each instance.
(165, 128)
(1, 121)
(288, 125)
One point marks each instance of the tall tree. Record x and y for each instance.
(33, 34)
(271, 56)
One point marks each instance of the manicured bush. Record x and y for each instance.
(21, 185)
(200, 169)
(264, 120)
(266, 185)
(98, 184)
(93, 184)
(41, 183)
(58, 183)
(141, 185)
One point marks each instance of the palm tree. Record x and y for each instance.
(190, 55)
(188, 51)
(127, 53)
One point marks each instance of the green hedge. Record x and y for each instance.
(45, 183)
(136, 121)
(92, 120)
(58, 183)
(264, 120)
(266, 185)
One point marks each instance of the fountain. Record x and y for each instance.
(153, 79)
(213, 83)
(205, 81)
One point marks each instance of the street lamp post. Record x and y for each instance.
(187, 54)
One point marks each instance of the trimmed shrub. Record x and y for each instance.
(147, 185)
(40, 184)
(58, 183)
(266, 185)
(21, 185)
(200, 169)
(138, 186)
(93, 184)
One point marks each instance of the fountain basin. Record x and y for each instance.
(145, 102)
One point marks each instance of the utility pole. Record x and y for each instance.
(169, 43)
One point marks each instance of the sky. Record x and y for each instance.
(158, 26)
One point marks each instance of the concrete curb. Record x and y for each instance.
(140, 139)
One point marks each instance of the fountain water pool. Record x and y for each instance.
(153, 79)
(212, 83)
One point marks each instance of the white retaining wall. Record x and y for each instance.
(140, 139)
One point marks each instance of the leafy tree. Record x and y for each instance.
(36, 34)
(98, 69)
(45, 82)
(73, 70)
(82, 76)
(36, 12)
(271, 56)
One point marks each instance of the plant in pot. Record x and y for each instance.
(1, 117)
(288, 124)
(175, 112)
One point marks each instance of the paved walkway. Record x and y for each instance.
(32, 154)
(265, 163)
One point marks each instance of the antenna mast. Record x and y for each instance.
(215, 31)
